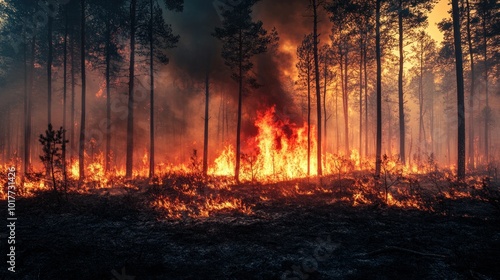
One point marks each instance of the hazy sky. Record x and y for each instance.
(439, 12)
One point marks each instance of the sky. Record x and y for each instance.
(439, 12)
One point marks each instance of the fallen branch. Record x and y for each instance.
(388, 249)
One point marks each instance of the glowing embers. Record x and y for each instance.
(199, 206)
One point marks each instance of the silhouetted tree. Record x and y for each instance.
(460, 90)
(305, 67)
(242, 39)
(410, 14)
(378, 158)
(155, 33)
(81, 150)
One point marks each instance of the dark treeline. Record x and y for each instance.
(144, 82)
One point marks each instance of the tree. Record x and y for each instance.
(305, 68)
(106, 42)
(326, 62)
(471, 160)
(81, 150)
(130, 115)
(412, 14)
(424, 54)
(315, 4)
(487, 11)
(53, 146)
(242, 39)
(341, 15)
(460, 90)
(159, 37)
(378, 158)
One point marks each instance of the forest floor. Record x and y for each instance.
(117, 235)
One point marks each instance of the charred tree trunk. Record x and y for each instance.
(379, 92)
(345, 100)
(107, 156)
(152, 101)
(324, 102)
(130, 116)
(366, 98)
(81, 151)
(486, 105)
(402, 133)
(471, 158)
(240, 97)
(28, 73)
(361, 95)
(65, 74)
(318, 89)
(308, 116)
(72, 117)
(205, 135)
(421, 104)
(460, 91)
(49, 71)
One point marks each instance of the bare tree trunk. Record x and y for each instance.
(402, 132)
(318, 90)
(471, 158)
(460, 91)
(65, 78)
(379, 92)
(152, 87)
(28, 72)
(81, 152)
(366, 98)
(130, 117)
(361, 95)
(107, 160)
(49, 71)
(337, 117)
(308, 117)
(324, 102)
(72, 118)
(486, 105)
(240, 97)
(345, 100)
(205, 140)
(421, 104)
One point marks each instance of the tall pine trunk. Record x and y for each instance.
(402, 133)
(471, 158)
(205, 134)
(152, 101)
(308, 115)
(366, 98)
(130, 117)
(324, 101)
(460, 91)
(345, 100)
(28, 72)
(318, 89)
(73, 82)
(420, 104)
(379, 92)
(240, 97)
(65, 73)
(361, 95)
(81, 151)
(49, 71)
(107, 156)
(486, 105)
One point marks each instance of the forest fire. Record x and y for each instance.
(250, 139)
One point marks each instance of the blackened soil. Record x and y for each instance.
(300, 237)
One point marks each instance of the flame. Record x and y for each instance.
(279, 152)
